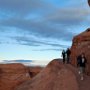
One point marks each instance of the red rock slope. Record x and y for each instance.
(55, 76)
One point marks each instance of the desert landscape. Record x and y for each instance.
(12, 75)
(39, 29)
(55, 76)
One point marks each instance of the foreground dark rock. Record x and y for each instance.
(81, 44)
(55, 76)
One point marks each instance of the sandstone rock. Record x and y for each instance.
(81, 44)
(54, 77)
(33, 71)
(12, 75)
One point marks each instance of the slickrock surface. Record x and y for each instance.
(55, 76)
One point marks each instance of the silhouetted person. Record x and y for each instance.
(68, 53)
(82, 64)
(63, 55)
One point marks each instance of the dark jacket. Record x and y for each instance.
(78, 60)
(63, 53)
(68, 52)
(81, 61)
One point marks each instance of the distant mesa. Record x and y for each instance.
(22, 60)
(18, 61)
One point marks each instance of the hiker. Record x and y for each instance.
(63, 55)
(78, 63)
(68, 53)
(82, 64)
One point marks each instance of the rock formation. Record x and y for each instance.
(81, 44)
(12, 75)
(33, 71)
(55, 76)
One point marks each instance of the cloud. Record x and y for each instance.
(69, 16)
(33, 42)
(55, 26)
(52, 49)
(55, 23)
(41, 29)
(24, 7)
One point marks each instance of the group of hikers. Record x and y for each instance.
(66, 55)
(81, 61)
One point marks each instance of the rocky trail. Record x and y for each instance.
(57, 76)
(83, 85)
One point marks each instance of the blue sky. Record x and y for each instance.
(40, 29)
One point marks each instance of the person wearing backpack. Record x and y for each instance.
(82, 61)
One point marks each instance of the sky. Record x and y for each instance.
(40, 29)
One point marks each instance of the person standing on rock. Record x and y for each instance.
(68, 53)
(63, 55)
(82, 65)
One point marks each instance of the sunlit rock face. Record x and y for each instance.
(81, 44)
